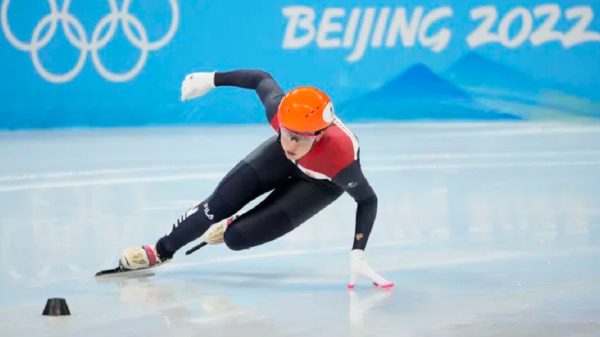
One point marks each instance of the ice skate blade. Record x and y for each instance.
(122, 272)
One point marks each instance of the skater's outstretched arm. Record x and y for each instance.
(269, 92)
(353, 181)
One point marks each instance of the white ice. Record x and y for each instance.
(487, 229)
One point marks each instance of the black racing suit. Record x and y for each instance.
(294, 197)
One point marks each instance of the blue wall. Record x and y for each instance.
(106, 63)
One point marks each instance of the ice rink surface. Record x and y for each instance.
(487, 229)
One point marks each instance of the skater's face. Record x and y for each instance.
(296, 145)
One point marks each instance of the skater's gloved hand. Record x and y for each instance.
(196, 85)
(360, 267)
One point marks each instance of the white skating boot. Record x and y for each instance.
(140, 257)
(215, 233)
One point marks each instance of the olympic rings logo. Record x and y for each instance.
(79, 38)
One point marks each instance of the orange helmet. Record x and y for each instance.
(305, 109)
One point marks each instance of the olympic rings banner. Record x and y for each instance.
(72, 63)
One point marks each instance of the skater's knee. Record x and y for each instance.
(234, 239)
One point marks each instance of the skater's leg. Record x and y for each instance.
(261, 171)
(284, 209)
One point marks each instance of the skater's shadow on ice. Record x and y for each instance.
(192, 306)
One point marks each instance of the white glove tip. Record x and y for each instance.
(383, 286)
